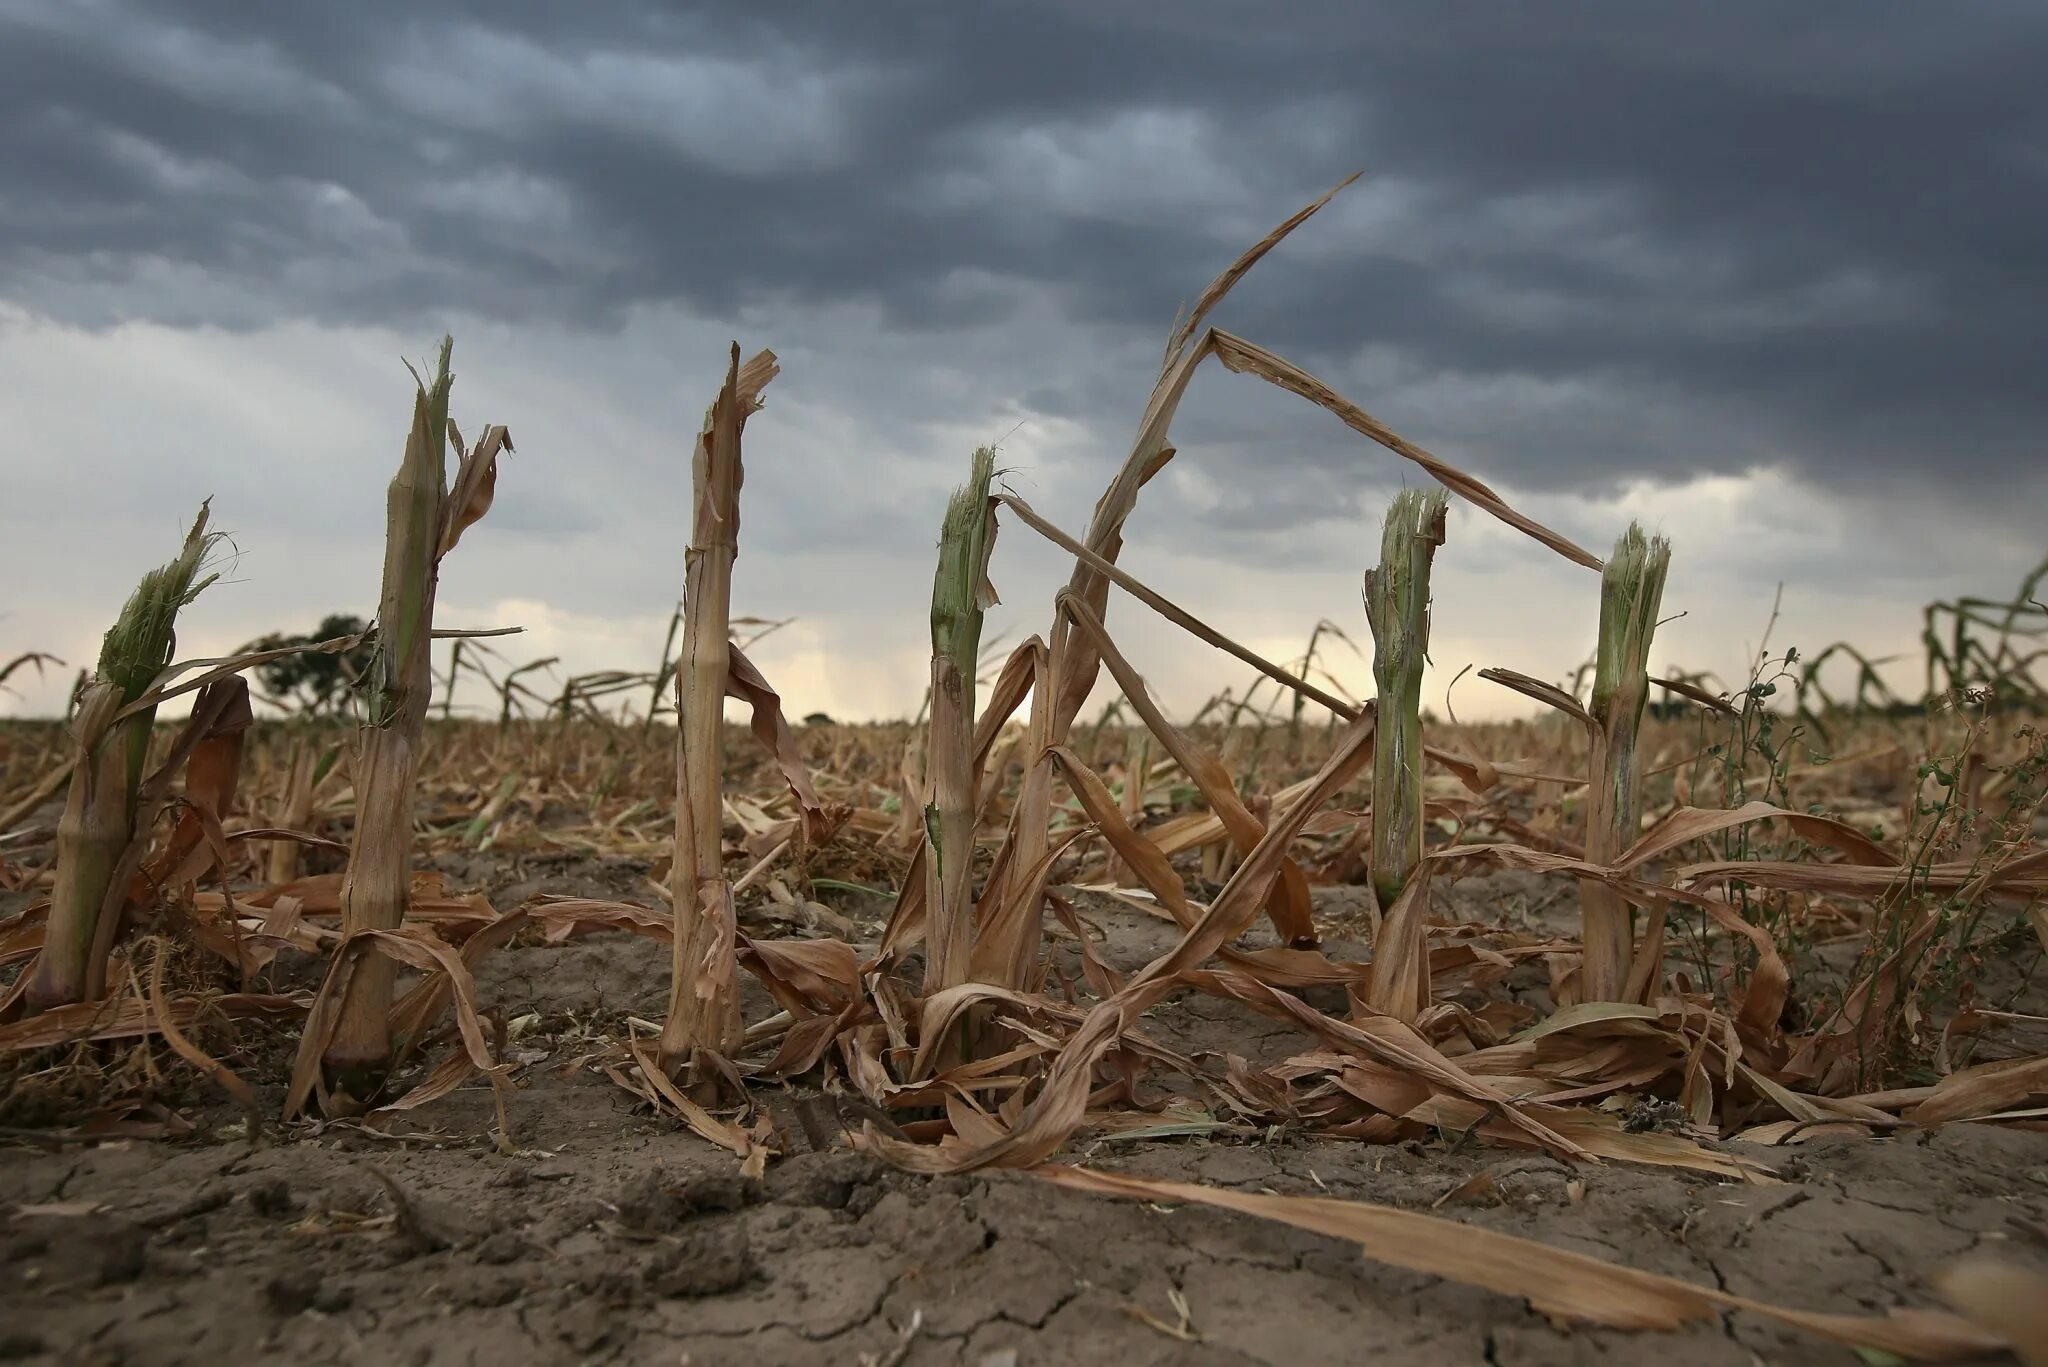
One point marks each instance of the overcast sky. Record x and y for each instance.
(1773, 278)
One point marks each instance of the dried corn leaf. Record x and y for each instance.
(1288, 903)
(1246, 358)
(130, 1018)
(415, 948)
(1549, 694)
(2009, 1301)
(1687, 824)
(1555, 1281)
(772, 729)
(213, 769)
(167, 1025)
(422, 1006)
(1239, 268)
(1983, 1090)
(666, 1093)
(476, 484)
(2020, 878)
(1771, 981)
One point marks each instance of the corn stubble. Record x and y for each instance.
(961, 593)
(1631, 592)
(423, 522)
(1397, 609)
(111, 736)
(703, 1005)
(983, 815)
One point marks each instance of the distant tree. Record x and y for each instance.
(313, 683)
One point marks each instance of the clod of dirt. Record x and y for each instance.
(585, 1326)
(121, 1254)
(23, 1247)
(830, 1181)
(720, 1192)
(501, 1247)
(271, 1198)
(489, 1291)
(18, 1343)
(935, 1233)
(616, 1286)
(423, 1226)
(657, 1202)
(299, 1290)
(708, 1261)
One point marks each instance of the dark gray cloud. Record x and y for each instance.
(1607, 240)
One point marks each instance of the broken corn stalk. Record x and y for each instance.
(960, 595)
(1631, 591)
(703, 1002)
(1397, 608)
(99, 810)
(397, 687)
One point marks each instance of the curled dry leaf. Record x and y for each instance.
(476, 483)
(772, 729)
(166, 1022)
(416, 948)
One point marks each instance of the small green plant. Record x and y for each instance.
(1752, 761)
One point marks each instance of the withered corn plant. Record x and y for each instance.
(1631, 591)
(111, 748)
(424, 519)
(961, 593)
(703, 1000)
(1075, 660)
(1397, 608)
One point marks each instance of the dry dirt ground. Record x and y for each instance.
(609, 1236)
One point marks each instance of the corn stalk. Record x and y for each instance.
(1397, 608)
(423, 521)
(960, 594)
(106, 777)
(703, 1001)
(1631, 591)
